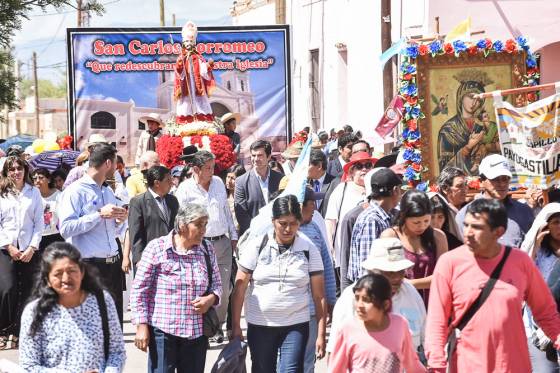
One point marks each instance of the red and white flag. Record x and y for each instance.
(391, 117)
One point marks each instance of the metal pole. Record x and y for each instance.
(513, 91)
(36, 84)
(162, 12)
(173, 18)
(79, 13)
(386, 44)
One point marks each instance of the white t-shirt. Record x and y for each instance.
(407, 302)
(279, 294)
(342, 201)
(50, 217)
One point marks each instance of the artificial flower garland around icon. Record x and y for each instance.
(408, 90)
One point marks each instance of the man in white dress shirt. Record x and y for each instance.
(208, 190)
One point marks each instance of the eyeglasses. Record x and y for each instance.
(360, 166)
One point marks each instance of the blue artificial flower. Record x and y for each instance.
(459, 46)
(408, 153)
(412, 51)
(407, 134)
(410, 69)
(414, 112)
(416, 158)
(411, 90)
(422, 187)
(481, 44)
(435, 46)
(409, 174)
(531, 61)
(498, 46)
(522, 42)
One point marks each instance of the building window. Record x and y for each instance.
(103, 120)
(141, 126)
(242, 83)
(314, 85)
(229, 85)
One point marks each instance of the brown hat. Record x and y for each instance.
(293, 151)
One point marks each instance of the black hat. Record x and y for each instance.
(387, 160)
(14, 150)
(311, 195)
(2, 141)
(384, 180)
(188, 153)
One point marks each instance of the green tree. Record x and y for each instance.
(11, 14)
(47, 89)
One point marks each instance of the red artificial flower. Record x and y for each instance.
(220, 146)
(474, 184)
(531, 97)
(472, 50)
(448, 48)
(407, 77)
(511, 46)
(488, 43)
(412, 124)
(196, 140)
(169, 149)
(433, 188)
(417, 167)
(423, 49)
(532, 71)
(412, 100)
(300, 136)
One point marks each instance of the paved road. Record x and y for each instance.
(136, 360)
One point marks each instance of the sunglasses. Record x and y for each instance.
(361, 166)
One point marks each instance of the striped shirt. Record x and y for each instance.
(166, 284)
(280, 291)
(312, 231)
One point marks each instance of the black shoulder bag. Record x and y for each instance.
(211, 323)
(474, 307)
(104, 322)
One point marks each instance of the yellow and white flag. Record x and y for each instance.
(529, 138)
(461, 32)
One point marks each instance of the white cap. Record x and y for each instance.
(387, 254)
(493, 166)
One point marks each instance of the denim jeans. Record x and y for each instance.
(309, 360)
(277, 349)
(168, 352)
(539, 362)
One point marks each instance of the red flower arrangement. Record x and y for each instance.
(300, 136)
(65, 142)
(511, 46)
(448, 48)
(423, 49)
(170, 148)
(488, 43)
(472, 50)
(221, 147)
(185, 119)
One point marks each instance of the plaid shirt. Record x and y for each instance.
(368, 228)
(167, 282)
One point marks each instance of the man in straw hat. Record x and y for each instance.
(230, 122)
(148, 137)
(386, 257)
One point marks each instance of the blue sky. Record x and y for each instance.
(50, 41)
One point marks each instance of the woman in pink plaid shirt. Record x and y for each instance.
(169, 297)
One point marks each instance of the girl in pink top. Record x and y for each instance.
(378, 340)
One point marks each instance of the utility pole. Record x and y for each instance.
(79, 7)
(173, 18)
(36, 85)
(386, 44)
(162, 12)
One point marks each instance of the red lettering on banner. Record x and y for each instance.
(100, 48)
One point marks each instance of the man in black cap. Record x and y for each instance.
(385, 195)
(188, 154)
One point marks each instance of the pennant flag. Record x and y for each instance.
(461, 32)
(529, 139)
(393, 49)
(391, 117)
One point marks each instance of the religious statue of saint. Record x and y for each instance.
(468, 136)
(194, 81)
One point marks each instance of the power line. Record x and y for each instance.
(68, 11)
(54, 36)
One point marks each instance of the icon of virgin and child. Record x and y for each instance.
(470, 135)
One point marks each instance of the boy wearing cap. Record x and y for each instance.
(495, 179)
(386, 257)
(385, 195)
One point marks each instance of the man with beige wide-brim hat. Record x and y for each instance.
(230, 121)
(291, 154)
(148, 138)
(386, 257)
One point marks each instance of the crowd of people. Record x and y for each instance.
(407, 280)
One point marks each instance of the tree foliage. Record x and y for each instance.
(7, 80)
(47, 89)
